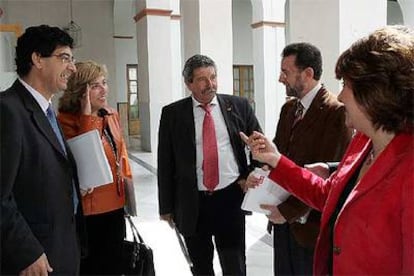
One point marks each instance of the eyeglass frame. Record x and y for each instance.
(65, 58)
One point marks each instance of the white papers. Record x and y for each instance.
(91, 161)
(267, 192)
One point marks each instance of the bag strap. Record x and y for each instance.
(134, 230)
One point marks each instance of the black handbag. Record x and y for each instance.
(137, 258)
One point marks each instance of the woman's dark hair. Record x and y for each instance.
(380, 70)
(41, 39)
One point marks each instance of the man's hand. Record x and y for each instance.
(275, 216)
(86, 192)
(40, 267)
(252, 181)
(168, 218)
(242, 183)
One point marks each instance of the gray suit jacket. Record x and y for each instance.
(177, 180)
(37, 210)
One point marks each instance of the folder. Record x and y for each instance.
(92, 165)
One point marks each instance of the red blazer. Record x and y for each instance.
(374, 231)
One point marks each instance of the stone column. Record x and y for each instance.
(268, 42)
(407, 9)
(332, 25)
(207, 30)
(158, 62)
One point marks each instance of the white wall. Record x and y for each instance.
(394, 14)
(309, 24)
(94, 17)
(207, 30)
(190, 27)
(125, 43)
(242, 33)
(333, 31)
(216, 39)
(6, 80)
(407, 8)
(7, 51)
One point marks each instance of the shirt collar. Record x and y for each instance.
(196, 103)
(44, 104)
(306, 101)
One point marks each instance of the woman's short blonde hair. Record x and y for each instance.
(86, 72)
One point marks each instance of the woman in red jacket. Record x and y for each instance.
(83, 107)
(367, 224)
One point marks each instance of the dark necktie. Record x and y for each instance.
(53, 123)
(298, 113)
(210, 155)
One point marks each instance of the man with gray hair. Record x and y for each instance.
(202, 166)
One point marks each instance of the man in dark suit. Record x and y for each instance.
(200, 207)
(39, 186)
(311, 128)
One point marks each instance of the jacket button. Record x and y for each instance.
(336, 250)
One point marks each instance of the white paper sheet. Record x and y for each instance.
(91, 161)
(267, 192)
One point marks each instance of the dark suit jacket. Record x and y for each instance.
(177, 180)
(320, 136)
(37, 211)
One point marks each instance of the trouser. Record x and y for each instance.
(106, 233)
(221, 219)
(289, 257)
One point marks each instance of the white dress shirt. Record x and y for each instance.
(228, 168)
(44, 104)
(306, 101)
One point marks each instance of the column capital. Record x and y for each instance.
(272, 24)
(152, 12)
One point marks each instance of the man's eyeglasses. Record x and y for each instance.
(65, 58)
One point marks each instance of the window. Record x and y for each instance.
(243, 82)
(133, 108)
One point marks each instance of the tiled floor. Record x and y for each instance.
(168, 259)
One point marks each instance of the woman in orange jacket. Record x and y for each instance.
(83, 107)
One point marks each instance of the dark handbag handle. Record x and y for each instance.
(134, 230)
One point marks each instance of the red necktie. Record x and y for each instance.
(210, 155)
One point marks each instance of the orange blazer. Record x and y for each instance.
(107, 197)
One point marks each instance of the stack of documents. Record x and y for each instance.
(93, 166)
(267, 192)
